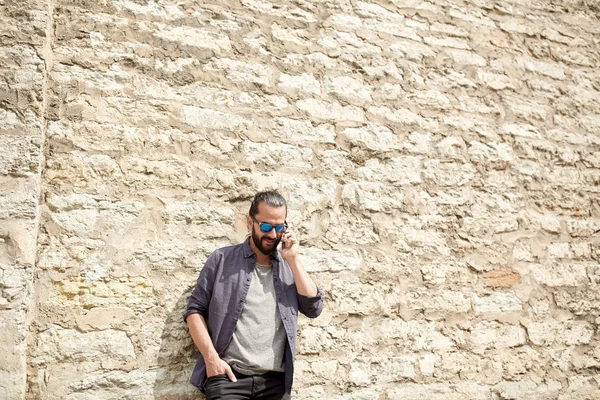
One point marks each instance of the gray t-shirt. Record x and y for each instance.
(259, 339)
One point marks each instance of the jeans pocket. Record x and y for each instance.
(215, 378)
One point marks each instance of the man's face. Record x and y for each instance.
(266, 242)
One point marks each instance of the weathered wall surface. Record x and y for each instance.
(23, 43)
(441, 161)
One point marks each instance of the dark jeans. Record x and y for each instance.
(269, 386)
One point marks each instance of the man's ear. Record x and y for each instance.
(248, 222)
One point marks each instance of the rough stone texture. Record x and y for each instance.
(441, 161)
(23, 49)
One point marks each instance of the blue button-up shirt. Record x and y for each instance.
(219, 297)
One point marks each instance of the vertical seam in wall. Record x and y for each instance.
(47, 55)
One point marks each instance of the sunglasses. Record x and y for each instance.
(265, 227)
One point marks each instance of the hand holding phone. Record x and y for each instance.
(289, 244)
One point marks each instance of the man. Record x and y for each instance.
(243, 312)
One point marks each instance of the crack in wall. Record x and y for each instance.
(47, 56)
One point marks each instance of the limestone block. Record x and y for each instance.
(419, 143)
(337, 162)
(445, 302)
(363, 299)
(490, 153)
(372, 137)
(481, 228)
(58, 344)
(560, 274)
(360, 394)
(310, 196)
(583, 227)
(421, 241)
(468, 365)
(581, 387)
(493, 335)
(497, 302)
(447, 273)
(371, 197)
(519, 26)
(549, 332)
(427, 364)
(452, 148)
(502, 277)
(211, 119)
(304, 85)
(348, 44)
(465, 57)
(15, 288)
(193, 212)
(134, 293)
(314, 340)
(475, 16)
(302, 131)
(448, 29)
(276, 10)
(398, 171)
(98, 319)
(271, 154)
(526, 387)
(526, 109)
(190, 36)
(403, 117)
(345, 22)
(368, 10)
(18, 197)
(13, 345)
(413, 51)
(392, 28)
(239, 71)
(74, 383)
(87, 215)
(412, 335)
(317, 260)
(553, 70)
(447, 42)
(20, 156)
(433, 99)
(290, 37)
(448, 174)
(440, 391)
(326, 111)
(349, 89)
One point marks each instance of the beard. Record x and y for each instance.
(264, 248)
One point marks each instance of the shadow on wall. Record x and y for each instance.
(176, 357)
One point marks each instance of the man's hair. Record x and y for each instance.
(271, 197)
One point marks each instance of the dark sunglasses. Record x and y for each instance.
(265, 227)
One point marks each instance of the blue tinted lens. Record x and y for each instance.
(266, 227)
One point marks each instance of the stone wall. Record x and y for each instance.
(24, 45)
(441, 160)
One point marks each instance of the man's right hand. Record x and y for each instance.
(219, 367)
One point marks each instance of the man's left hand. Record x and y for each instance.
(289, 245)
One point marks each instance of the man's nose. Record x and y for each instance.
(272, 233)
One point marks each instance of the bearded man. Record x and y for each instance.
(243, 313)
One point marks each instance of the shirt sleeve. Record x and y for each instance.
(311, 306)
(200, 299)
